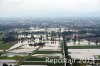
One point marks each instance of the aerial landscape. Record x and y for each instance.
(36, 33)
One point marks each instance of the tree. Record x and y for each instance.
(9, 38)
(46, 35)
(4, 64)
(82, 32)
(40, 38)
(0, 54)
(88, 41)
(78, 41)
(74, 39)
(96, 41)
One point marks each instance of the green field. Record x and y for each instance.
(47, 52)
(12, 58)
(42, 63)
(35, 59)
(84, 47)
(6, 46)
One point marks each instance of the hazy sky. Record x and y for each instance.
(49, 8)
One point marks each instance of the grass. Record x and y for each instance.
(2, 53)
(84, 47)
(12, 58)
(98, 56)
(47, 52)
(40, 59)
(42, 63)
(35, 59)
(6, 46)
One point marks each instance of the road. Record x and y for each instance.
(65, 52)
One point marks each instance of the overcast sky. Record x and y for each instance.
(49, 8)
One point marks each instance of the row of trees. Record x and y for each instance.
(9, 37)
(78, 36)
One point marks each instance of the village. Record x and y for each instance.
(39, 43)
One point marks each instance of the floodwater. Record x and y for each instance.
(84, 53)
(8, 62)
